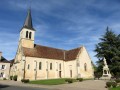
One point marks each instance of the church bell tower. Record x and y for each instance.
(27, 32)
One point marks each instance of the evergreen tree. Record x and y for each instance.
(109, 47)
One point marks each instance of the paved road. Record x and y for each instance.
(85, 85)
(6, 87)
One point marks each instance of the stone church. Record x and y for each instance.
(33, 61)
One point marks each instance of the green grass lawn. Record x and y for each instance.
(117, 88)
(48, 82)
(88, 79)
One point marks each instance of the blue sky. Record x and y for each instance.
(64, 24)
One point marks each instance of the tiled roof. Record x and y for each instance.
(72, 54)
(51, 53)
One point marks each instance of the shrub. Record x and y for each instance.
(11, 77)
(117, 75)
(22, 80)
(80, 79)
(108, 84)
(4, 79)
(25, 80)
(69, 80)
(15, 78)
(114, 84)
(117, 80)
(97, 75)
(105, 86)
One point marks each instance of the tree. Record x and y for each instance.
(109, 47)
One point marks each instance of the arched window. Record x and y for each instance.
(40, 65)
(28, 66)
(30, 35)
(60, 66)
(50, 66)
(26, 34)
(85, 67)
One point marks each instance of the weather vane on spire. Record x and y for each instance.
(29, 3)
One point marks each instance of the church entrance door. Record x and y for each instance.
(60, 74)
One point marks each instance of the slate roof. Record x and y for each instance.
(51, 53)
(3, 60)
(28, 22)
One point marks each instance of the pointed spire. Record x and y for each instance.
(28, 21)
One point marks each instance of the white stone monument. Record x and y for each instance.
(106, 71)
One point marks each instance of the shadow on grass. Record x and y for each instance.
(3, 86)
